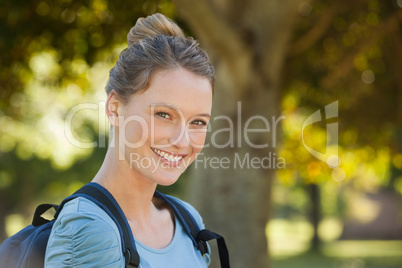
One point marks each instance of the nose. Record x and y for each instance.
(181, 137)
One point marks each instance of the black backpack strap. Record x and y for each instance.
(100, 196)
(199, 237)
(206, 235)
(37, 218)
(186, 219)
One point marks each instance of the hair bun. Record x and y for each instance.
(151, 26)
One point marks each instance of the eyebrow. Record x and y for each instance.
(174, 108)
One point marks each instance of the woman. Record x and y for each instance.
(159, 104)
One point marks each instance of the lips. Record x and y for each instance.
(168, 156)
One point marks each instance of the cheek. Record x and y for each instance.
(160, 133)
(134, 131)
(197, 140)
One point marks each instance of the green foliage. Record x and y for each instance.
(350, 53)
(55, 56)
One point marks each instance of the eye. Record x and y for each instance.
(163, 115)
(199, 123)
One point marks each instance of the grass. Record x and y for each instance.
(345, 254)
(289, 248)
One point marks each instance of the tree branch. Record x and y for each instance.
(346, 65)
(312, 36)
(218, 36)
(274, 35)
(214, 32)
(398, 59)
(321, 27)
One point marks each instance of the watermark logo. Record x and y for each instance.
(239, 161)
(227, 136)
(233, 133)
(234, 137)
(330, 155)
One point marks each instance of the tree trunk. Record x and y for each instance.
(315, 214)
(231, 180)
(3, 234)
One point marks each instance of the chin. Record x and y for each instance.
(166, 181)
(165, 178)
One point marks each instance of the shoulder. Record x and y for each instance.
(81, 210)
(83, 233)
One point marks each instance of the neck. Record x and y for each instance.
(132, 190)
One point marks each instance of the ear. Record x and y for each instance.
(113, 106)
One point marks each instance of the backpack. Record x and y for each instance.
(27, 248)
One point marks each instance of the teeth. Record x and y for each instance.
(167, 156)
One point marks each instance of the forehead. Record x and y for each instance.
(180, 88)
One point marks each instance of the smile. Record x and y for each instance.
(167, 156)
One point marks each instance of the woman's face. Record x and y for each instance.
(163, 129)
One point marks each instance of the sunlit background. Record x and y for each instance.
(55, 59)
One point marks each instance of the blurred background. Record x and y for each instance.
(277, 58)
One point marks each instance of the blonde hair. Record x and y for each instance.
(155, 43)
